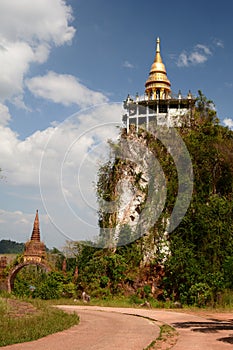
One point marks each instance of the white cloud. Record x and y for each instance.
(36, 21)
(65, 175)
(5, 116)
(204, 48)
(127, 64)
(199, 55)
(197, 58)
(228, 85)
(228, 122)
(16, 218)
(183, 60)
(18, 225)
(20, 159)
(64, 89)
(219, 43)
(28, 29)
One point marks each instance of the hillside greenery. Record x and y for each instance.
(199, 268)
(10, 247)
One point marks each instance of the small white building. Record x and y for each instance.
(158, 105)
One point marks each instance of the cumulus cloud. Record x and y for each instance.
(127, 64)
(205, 49)
(219, 43)
(5, 116)
(33, 21)
(62, 162)
(28, 30)
(228, 122)
(64, 89)
(21, 159)
(21, 224)
(199, 55)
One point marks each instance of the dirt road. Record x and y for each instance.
(103, 328)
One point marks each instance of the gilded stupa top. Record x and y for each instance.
(157, 83)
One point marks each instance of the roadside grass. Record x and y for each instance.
(38, 318)
(118, 301)
(31, 326)
(167, 338)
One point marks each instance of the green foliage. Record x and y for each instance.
(50, 288)
(147, 291)
(228, 271)
(200, 263)
(53, 285)
(201, 247)
(103, 269)
(104, 281)
(200, 294)
(10, 247)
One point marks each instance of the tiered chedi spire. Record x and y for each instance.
(35, 249)
(157, 84)
(36, 229)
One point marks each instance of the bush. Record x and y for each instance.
(200, 294)
(147, 291)
(104, 280)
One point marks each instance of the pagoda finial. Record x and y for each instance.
(158, 45)
(158, 80)
(36, 229)
(158, 58)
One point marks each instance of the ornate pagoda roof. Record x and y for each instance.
(36, 229)
(157, 79)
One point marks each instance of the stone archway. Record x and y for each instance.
(13, 272)
(34, 254)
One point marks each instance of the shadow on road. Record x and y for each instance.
(214, 326)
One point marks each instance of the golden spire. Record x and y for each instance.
(36, 229)
(158, 58)
(157, 84)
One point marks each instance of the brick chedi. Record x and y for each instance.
(35, 249)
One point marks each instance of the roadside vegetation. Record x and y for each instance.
(22, 321)
(167, 338)
(198, 271)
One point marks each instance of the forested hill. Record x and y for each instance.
(10, 247)
(200, 259)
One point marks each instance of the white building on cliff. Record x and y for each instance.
(158, 105)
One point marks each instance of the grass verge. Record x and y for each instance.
(166, 340)
(31, 326)
(117, 301)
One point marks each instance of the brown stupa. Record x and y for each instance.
(35, 249)
(36, 229)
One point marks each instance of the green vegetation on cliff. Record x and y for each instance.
(193, 263)
(199, 265)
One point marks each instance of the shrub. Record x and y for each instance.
(200, 294)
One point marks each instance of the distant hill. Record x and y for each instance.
(10, 247)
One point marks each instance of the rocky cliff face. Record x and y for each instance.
(138, 190)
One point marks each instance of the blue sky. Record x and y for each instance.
(58, 58)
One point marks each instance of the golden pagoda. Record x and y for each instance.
(159, 105)
(157, 84)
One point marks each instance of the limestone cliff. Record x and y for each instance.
(132, 192)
